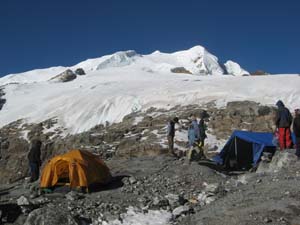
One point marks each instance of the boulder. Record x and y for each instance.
(181, 210)
(50, 216)
(175, 200)
(212, 188)
(22, 201)
(132, 180)
(79, 71)
(280, 160)
(25, 205)
(205, 198)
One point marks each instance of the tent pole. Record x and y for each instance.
(235, 147)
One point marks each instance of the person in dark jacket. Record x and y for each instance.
(283, 122)
(171, 133)
(34, 157)
(296, 129)
(204, 117)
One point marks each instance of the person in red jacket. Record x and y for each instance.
(296, 129)
(283, 122)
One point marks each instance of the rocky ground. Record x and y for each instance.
(148, 184)
(269, 196)
(172, 189)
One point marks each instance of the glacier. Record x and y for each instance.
(119, 84)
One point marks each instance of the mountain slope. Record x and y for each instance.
(125, 82)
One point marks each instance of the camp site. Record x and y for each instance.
(149, 112)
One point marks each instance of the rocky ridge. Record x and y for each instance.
(139, 134)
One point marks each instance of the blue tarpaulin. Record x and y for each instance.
(259, 141)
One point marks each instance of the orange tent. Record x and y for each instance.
(76, 168)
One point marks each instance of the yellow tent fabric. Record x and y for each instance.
(80, 168)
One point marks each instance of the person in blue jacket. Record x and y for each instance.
(193, 131)
(195, 152)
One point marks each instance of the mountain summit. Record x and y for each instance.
(197, 60)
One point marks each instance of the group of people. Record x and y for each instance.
(196, 135)
(283, 122)
(196, 131)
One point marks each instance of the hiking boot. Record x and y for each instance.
(172, 154)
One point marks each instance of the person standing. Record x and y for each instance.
(34, 158)
(193, 138)
(171, 134)
(296, 129)
(193, 131)
(204, 117)
(283, 122)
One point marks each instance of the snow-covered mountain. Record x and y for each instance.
(124, 82)
(197, 60)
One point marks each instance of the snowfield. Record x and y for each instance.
(126, 82)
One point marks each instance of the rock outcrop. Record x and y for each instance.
(65, 76)
(180, 70)
(259, 73)
(79, 72)
(2, 100)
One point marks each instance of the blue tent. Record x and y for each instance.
(244, 149)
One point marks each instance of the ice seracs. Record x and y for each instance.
(119, 59)
(199, 61)
(235, 69)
